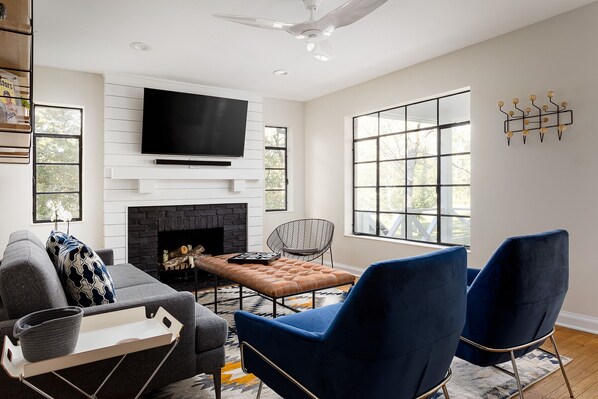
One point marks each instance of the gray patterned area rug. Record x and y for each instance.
(468, 381)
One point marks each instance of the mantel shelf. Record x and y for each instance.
(146, 176)
(174, 173)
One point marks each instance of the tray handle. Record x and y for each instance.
(168, 321)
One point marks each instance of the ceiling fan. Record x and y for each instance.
(314, 32)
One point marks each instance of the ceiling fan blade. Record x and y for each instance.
(351, 11)
(255, 22)
(323, 51)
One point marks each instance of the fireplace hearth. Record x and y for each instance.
(220, 228)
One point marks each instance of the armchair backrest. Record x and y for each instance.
(399, 327)
(517, 296)
(312, 234)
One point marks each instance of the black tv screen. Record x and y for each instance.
(192, 124)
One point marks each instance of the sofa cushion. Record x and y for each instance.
(55, 241)
(211, 330)
(137, 292)
(28, 280)
(86, 280)
(127, 275)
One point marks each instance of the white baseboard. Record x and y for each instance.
(578, 322)
(566, 319)
(348, 268)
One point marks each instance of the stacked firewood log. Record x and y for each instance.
(181, 258)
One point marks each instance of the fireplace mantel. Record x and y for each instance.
(147, 176)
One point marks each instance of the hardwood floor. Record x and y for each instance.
(582, 371)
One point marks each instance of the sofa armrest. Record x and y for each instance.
(107, 256)
(6, 328)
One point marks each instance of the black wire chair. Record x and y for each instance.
(305, 239)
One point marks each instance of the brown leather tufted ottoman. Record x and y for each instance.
(277, 280)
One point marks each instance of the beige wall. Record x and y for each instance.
(289, 114)
(60, 87)
(515, 190)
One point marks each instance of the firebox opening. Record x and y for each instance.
(211, 239)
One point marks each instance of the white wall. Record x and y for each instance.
(60, 87)
(515, 190)
(289, 114)
(133, 179)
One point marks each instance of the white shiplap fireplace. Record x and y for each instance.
(133, 179)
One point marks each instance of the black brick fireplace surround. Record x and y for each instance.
(144, 224)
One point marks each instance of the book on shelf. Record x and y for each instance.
(13, 110)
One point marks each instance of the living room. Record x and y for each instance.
(516, 189)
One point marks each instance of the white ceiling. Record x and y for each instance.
(190, 45)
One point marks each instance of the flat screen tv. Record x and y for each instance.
(191, 124)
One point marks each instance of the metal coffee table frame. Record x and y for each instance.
(275, 300)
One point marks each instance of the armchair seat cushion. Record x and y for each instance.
(315, 320)
(301, 251)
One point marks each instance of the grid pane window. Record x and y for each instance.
(275, 158)
(412, 172)
(57, 162)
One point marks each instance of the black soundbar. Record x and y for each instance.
(189, 162)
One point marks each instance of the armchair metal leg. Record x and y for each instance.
(445, 392)
(527, 345)
(259, 390)
(331, 259)
(442, 385)
(244, 345)
(516, 374)
(558, 356)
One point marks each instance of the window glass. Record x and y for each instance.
(454, 109)
(365, 126)
(275, 161)
(57, 163)
(412, 172)
(422, 115)
(392, 121)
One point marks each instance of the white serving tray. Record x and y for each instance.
(101, 337)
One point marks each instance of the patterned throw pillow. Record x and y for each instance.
(85, 278)
(53, 245)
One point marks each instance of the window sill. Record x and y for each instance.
(402, 242)
(33, 224)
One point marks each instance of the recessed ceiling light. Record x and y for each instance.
(280, 72)
(140, 46)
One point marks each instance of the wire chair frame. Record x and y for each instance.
(304, 239)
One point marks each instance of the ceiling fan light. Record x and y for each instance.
(322, 57)
(310, 46)
(301, 37)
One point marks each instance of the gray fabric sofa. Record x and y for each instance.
(29, 282)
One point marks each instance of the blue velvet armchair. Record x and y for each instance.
(514, 301)
(393, 337)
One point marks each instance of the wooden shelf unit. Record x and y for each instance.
(16, 82)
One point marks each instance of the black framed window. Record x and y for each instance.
(57, 161)
(412, 172)
(276, 168)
